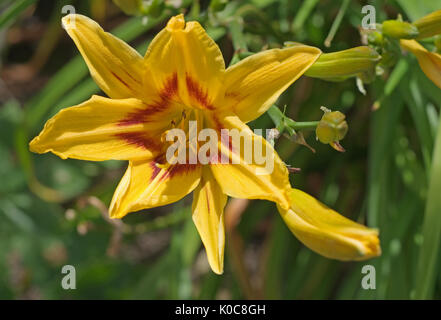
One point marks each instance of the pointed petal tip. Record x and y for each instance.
(115, 217)
(115, 211)
(371, 246)
(176, 22)
(33, 145)
(218, 272)
(217, 268)
(337, 146)
(117, 214)
(68, 21)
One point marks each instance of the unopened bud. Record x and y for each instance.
(332, 128)
(429, 25)
(399, 29)
(344, 64)
(375, 38)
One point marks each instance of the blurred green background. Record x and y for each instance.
(53, 211)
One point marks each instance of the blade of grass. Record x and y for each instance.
(428, 257)
(336, 23)
(303, 14)
(417, 108)
(379, 182)
(14, 11)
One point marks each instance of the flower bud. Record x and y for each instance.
(328, 233)
(332, 128)
(429, 25)
(130, 7)
(344, 64)
(375, 38)
(399, 29)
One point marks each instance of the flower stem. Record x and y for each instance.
(304, 125)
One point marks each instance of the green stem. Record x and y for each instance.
(282, 122)
(303, 125)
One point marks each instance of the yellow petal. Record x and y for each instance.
(255, 83)
(185, 49)
(326, 232)
(151, 184)
(429, 25)
(246, 176)
(208, 216)
(115, 66)
(430, 62)
(103, 129)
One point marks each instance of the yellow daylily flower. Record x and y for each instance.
(430, 62)
(325, 231)
(182, 78)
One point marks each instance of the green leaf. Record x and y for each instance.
(429, 253)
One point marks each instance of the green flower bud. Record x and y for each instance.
(344, 64)
(332, 128)
(399, 29)
(130, 7)
(429, 25)
(375, 38)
